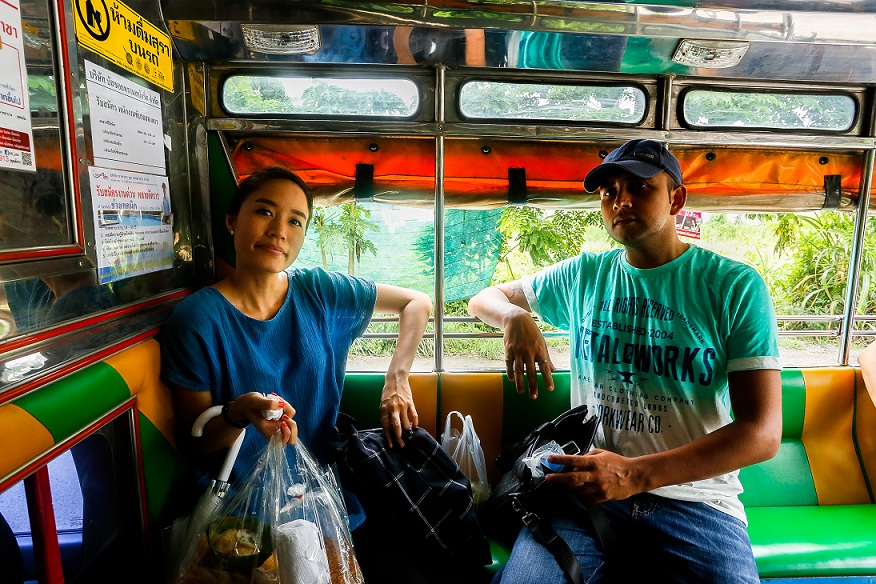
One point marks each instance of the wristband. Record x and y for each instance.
(231, 422)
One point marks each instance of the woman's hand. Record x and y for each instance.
(249, 406)
(397, 411)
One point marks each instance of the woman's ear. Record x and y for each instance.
(230, 221)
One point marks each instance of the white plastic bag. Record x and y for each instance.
(464, 447)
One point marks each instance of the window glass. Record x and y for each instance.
(568, 103)
(299, 95)
(803, 259)
(95, 498)
(529, 239)
(780, 111)
(34, 207)
(389, 244)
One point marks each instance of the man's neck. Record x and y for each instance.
(655, 256)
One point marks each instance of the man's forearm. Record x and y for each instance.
(736, 445)
(494, 307)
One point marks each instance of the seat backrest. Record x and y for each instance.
(817, 463)
(361, 398)
(501, 416)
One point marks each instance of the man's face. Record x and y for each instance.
(636, 211)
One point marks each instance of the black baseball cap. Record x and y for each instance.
(643, 158)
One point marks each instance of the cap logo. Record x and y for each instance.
(647, 155)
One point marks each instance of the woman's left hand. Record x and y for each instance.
(397, 410)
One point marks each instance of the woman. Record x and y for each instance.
(262, 330)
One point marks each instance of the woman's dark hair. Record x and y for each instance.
(257, 179)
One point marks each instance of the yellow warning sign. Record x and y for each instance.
(114, 31)
(196, 86)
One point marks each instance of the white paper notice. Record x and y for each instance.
(16, 133)
(126, 126)
(132, 223)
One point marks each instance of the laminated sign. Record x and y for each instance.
(114, 31)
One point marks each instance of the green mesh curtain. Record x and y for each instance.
(397, 247)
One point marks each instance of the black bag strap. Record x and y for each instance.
(604, 535)
(551, 540)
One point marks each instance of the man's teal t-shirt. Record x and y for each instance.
(651, 349)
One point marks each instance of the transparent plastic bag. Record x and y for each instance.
(464, 447)
(282, 525)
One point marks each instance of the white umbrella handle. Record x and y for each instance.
(198, 431)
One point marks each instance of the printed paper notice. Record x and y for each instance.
(16, 132)
(688, 223)
(132, 223)
(126, 127)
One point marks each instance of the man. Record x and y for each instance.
(665, 339)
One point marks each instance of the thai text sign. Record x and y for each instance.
(133, 223)
(16, 133)
(114, 31)
(126, 126)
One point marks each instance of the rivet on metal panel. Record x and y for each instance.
(710, 156)
(485, 149)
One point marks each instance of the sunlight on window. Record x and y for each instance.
(311, 96)
(529, 101)
(780, 111)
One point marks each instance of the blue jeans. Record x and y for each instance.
(657, 540)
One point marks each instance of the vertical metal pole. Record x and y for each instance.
(855, 258)
(47, 551)
(666, 112)
(440, 71)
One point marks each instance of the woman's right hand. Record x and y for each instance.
(249, 406)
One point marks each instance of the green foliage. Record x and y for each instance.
(269, 95)
(482, 99)
(768, 110)
(544, 238)
(344, 228)
(43, 93)
(819, 250)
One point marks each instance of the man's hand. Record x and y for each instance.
(525, 349)
(599, 476)
(505, 306)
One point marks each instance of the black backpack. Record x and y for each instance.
(520, 494)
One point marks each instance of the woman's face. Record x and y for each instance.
(269, 229)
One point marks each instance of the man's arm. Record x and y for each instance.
(505, 306)
(397, 410)
(753, 436)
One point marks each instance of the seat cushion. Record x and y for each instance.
(827, 540)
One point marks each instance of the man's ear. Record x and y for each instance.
(678, 198)
(230, 221)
